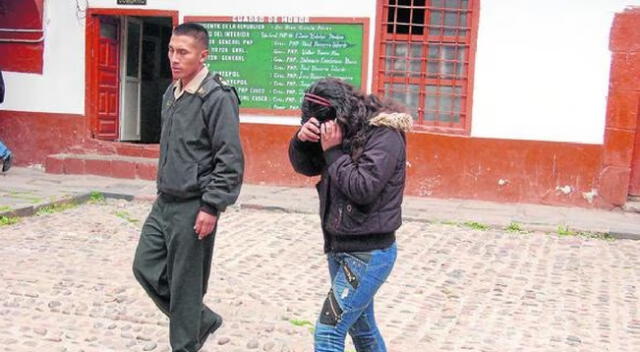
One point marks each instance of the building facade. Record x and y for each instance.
(513, 100)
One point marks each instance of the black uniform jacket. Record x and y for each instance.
(200, 151)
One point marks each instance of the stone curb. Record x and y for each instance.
(284, 209)
(77, 199)
(33, 209)
(527, 227)
(531, 227)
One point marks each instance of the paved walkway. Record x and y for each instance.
(24, 190)
(67, 286)
(67, 283)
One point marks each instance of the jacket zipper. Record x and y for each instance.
(170, 129)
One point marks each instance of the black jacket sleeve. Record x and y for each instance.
(306, 157)
(228, 160)
(362, 181)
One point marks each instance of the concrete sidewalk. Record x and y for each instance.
(25, 190)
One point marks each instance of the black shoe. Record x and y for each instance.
(215, 326)
(6, 165)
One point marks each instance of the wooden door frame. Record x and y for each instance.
(92, 36)
(124, 51)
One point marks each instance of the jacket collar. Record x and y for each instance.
(192, 86)
(397, 120)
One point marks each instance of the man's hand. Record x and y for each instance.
(331, 135)
(205, 223)
(310, 131)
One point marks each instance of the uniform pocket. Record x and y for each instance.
(180, 178)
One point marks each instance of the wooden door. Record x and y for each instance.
(108, 82)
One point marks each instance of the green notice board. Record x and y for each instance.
(271, 64)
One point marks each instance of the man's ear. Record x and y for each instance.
(204, 54)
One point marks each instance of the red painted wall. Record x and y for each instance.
(21, 56)
(33, 136)
(439, 166)
(621, 165)
(501, 170)
(445, 166)
(266, 155)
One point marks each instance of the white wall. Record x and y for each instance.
(542, 69)
(325, 8)
(60, 88)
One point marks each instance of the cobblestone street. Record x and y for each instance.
(67, 286)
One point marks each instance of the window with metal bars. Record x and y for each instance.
(425, 52)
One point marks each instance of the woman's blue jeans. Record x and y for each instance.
(4, 151)
(355, 279)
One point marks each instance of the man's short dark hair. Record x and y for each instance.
(194, 30)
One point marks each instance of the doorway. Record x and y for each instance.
(128, 73)
(145, 75)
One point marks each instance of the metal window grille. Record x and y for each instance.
(424, 50)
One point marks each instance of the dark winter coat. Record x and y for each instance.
(360, 200)
(200, 151)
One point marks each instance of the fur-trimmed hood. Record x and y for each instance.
(397, 120)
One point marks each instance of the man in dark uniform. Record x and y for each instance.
(199, 174)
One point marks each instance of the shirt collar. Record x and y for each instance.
(193, 85)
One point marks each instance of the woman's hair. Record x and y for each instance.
(332, 98)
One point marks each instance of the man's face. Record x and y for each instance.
(186, 56)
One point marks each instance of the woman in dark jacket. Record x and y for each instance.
(357, 144)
